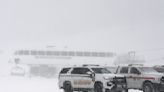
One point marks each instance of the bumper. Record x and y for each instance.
(117, 84)
(160, 87)
(116, 88)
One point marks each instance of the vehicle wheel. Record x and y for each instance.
(148, 87)
(124, 90)
(115, 90)
(68, 87)
(98, 87)
(157, 89)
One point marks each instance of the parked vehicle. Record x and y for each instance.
(91, 78)
(142, 78)
(159, 69)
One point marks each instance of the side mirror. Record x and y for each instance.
(92, 75)
(89, 72)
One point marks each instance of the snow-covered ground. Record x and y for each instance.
(35, 84)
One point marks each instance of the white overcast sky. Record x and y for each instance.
(95, 25)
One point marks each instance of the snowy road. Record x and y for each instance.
(37, 84)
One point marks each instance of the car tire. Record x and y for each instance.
(157, 89)
(98, 87)
(124, 90)
(67, 87)
(121, 90)
(148, 87)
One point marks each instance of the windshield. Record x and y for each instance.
(161, 70)
(101, 70)
(148, 69)
(112, 69)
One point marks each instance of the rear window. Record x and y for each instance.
(64, 70)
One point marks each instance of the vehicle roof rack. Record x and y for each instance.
(135, 65)
(90, 65)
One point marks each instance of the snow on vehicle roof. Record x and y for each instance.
(85, 65)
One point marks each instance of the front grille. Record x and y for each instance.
(119, 80)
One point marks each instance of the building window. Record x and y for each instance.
(49, 53)
(56, 53)
(33, 52)
(79, 53)
(64, 53)
(71, 53)
(87, 54)
(94, 54)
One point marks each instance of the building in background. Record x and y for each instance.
(47, 63)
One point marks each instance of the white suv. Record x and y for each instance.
(142, 78)
(91, 78)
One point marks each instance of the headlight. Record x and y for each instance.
(162, 80)
(109, 84)
(107, 78)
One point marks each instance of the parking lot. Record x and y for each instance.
(35, 84)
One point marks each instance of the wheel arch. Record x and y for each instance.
(146, 81)
(66, 82)
(98, 82)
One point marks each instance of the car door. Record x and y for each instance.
(125, 71)
(134, 78)
(81, 78)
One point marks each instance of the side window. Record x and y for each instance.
(124, 70)
(80, 71)
(134, 70)
(64, 70)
